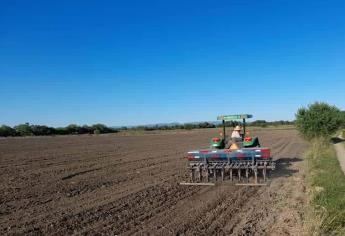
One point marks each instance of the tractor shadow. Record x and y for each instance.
(283, 167)
(336, 140)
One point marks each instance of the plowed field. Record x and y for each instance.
(125, 185)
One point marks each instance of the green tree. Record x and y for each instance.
(72, 129)
(318, 120)
(85, 129)
(105, 129)
(6, 131)
(99, 127)
(23, 129)
(61, 130)
(42, 130)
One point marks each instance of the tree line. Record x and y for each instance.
(202, 125)
(38, 130)
(28, 129)
(187, 126)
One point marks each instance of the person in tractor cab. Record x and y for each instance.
(236, 133)
(236, 137)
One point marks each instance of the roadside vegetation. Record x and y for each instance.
(318, 123)
(327, 188)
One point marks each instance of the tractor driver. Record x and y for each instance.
(236, 133)
(236, 137)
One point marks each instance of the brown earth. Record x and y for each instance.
(113, 184)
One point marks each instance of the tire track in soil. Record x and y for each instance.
(226, 213)
(257, 216)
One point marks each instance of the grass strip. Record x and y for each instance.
(327, 185)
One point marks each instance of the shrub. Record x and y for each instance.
(96, 131)
(318, 120)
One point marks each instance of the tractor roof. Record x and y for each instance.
(234, 117)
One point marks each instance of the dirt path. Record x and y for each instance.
(128, 185)
(340, 150)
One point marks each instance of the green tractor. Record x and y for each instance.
(246, 141)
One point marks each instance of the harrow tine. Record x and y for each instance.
(215, 173)
(237, 163)
(192, 175)
(200, 174)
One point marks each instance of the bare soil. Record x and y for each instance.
(127, 185)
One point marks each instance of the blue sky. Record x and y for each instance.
(143, 62)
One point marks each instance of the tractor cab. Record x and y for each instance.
(245, 141)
